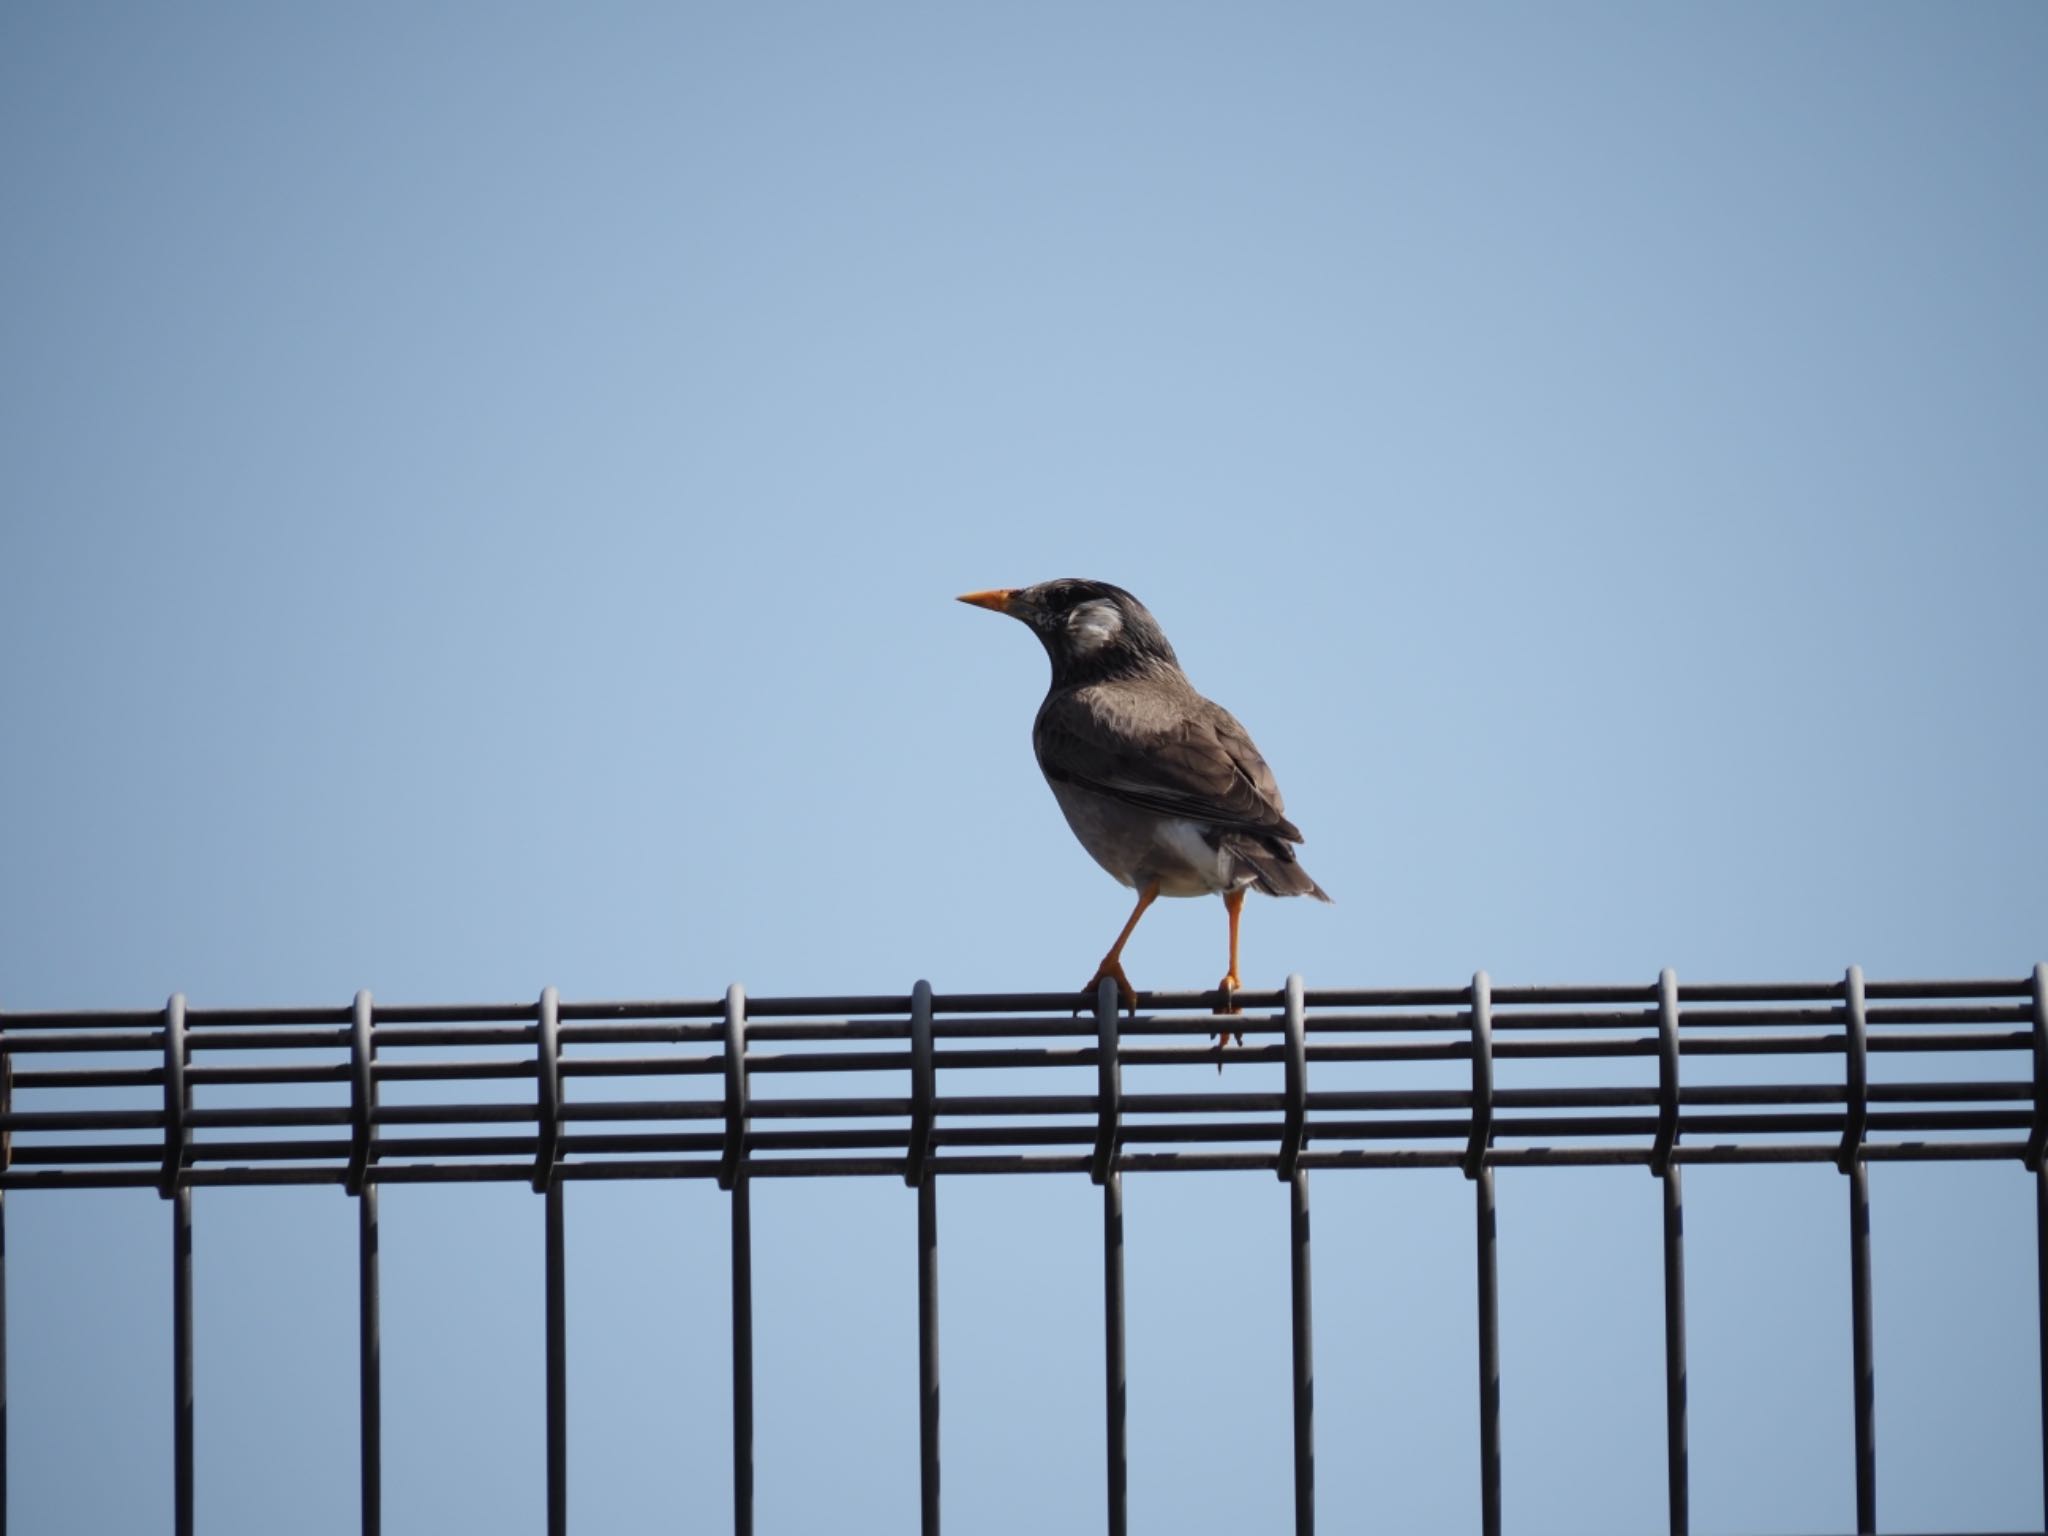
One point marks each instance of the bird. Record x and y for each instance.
(1162, 786)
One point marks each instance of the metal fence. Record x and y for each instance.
(371, 1094)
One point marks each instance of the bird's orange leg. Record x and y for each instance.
(1112, 963)
(1233, 903)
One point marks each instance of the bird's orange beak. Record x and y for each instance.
(996, 599)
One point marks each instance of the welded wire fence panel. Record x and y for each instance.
(924, 1085)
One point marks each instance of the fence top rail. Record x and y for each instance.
(1374, 1077)
(766, 1008)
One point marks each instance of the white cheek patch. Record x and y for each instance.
(1093, 625)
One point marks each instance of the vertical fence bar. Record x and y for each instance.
(1677, 1459)
(1866, 1395)
(2037, 1144)
(917, 1173)
(1304, 1362)
(547, 1074)
(1489, 1359)
(558, 1366)
(181, 1359)
(928, 1354)
(1481, 1175)
(733, 1177)
(923, 1085)
(3, 1363)
(177, 1101)
(370, 1348)
(369, 1325)
(2041, 1295)
(548, 1106)
(2037, 1134)
(1856, 1049)
(742, 1357)
(1294, 1132)
(1482, 1075)
(6, 1160)
(1109, 1084)
(1118, 1463)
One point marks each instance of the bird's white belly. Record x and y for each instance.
(1139, 847)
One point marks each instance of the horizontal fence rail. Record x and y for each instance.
(1661, 1074)
(583, 1111)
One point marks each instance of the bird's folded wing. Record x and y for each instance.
(1200, 764)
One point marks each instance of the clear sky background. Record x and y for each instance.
(481, 494)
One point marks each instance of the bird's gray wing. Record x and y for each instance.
(1192, 760)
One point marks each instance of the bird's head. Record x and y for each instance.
(1090, 629)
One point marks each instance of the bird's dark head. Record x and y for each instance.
(1090, 629)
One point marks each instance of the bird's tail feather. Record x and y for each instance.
(1275, 870)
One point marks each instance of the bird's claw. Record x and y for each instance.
(1114, 971)
(1228, 987)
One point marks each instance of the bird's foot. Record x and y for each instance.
(1113, 968)
(1228, 987)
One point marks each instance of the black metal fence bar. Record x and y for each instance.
(928, 1356)
(917, 1174)
(105, 1140)
(181, 1360)
(1489, 1354)
(1293, 1130)
(548, 1093)
(1856, 1049)
(4, 1458)
(6, 1150)
(369, 1322)
(670, 1013)
(558, 1366)
(370, 1350)
(2037, 1143)
(1102, 1167)
(2041, 1270)
(734, 1177)
(1677, 1456)
(1115, 1443)
(1477, 1168)
(1862, 1350)
(1544, 1156)
(1300, 1288)
(176, 1147)
(1670, 1095)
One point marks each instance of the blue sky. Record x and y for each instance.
(481, 493)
